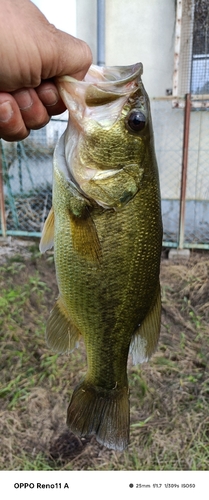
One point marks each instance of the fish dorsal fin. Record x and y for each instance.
(47, 237)
(144, 342)
(61, 334)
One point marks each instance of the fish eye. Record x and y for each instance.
(136, 121)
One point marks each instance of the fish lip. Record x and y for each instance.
(105, 76)
(103, 86)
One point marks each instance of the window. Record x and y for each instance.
(191, 63)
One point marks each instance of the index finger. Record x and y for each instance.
(12, 126)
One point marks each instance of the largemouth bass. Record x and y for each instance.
(105, 225)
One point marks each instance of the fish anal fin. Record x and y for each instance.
(47, 237)
(145, 339)
(99, 412)
(61, 334)
(85, 238)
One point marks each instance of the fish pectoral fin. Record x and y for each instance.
(61, 334)
(47, 237)
(144, 342)
(85, 238)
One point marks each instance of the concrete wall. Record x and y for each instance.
(136, 30)
(141, 30)
(86, 24)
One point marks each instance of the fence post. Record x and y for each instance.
(2, 204)
(185, 152)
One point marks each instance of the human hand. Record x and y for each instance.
(32, 52)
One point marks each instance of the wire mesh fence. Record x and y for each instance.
(168, 124)
(27, 178)
(197, 192)
(200, 48)
(191, 59)
(27, 175)
(183, 47)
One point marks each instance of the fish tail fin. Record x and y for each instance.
(99, 412)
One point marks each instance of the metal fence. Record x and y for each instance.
(26, 180)
(182, 149)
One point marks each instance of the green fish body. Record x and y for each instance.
(106, 228)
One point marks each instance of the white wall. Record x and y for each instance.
(136, 30)
(61, 13)
(143, 30)
(86, 23)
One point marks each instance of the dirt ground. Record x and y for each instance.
(169, 396)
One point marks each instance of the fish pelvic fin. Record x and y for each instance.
(61, 334)
(105, 414)
(145, 339)
(47, 237)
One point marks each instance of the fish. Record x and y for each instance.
(106, 228)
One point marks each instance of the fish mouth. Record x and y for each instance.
(118, 75)
(105, 77)
(101, 85)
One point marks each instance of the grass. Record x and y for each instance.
(169, 396)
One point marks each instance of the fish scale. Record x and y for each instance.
(107, 236)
